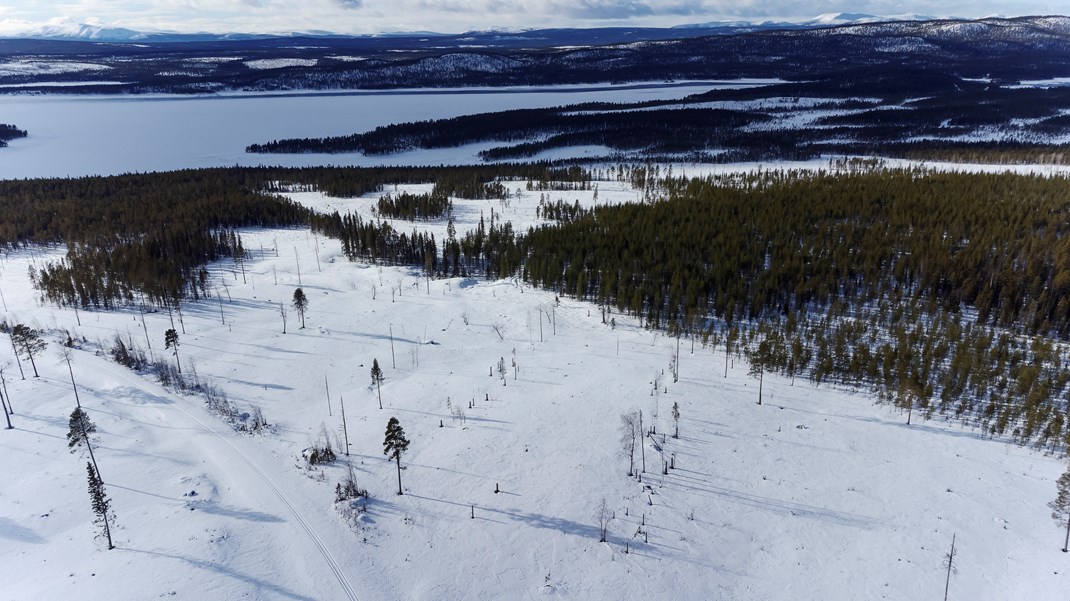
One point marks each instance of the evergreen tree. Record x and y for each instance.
(170, 339)
(100, 502)
(29, 342)
(300, 304)
(395, 444)
(80, 427)
(377, 379)
(1060, 506)
(759, 360)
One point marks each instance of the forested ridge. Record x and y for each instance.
(149, 235)
(948, 293)
(945, 293)
(885, 112)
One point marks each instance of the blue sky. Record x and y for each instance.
(378, 16)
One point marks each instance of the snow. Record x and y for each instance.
(28, 66)
(817, 494)
(1042, 83)
(279, 63)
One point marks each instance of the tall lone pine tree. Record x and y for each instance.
(377, 379)
(395, 444)
(100, 502)
(300, 304)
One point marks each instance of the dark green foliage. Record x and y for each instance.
(170, 339)
(79, 427)
(130, 356)
(349, 490)
(101, 503)
(394, 444)
(300, 304)
(29, 342)
(411, 207)
(659, 130)
(10, 132)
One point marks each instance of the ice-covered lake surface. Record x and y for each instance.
(99, 135)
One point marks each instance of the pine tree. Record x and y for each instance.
(1060, 506)
(29, 342)
(759, 361)
(100, 502)
(377, 379)
(395, 444)
(170, 339)
(300, 304)
(80, 427)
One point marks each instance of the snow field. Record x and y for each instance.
(816, 494)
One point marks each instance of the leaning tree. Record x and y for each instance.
(29, 342)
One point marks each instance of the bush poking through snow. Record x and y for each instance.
(320, 451)
(348, 490)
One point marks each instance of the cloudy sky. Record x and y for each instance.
(448, 16)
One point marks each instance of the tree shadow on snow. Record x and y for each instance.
(221, 570)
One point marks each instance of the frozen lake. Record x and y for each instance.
(97, 135)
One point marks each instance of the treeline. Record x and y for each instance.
(656, 130)
(135, 234)
(943, 292)
(148, 236)
(888, 111)
(10, 132)
(411, 207)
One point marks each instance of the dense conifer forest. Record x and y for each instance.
(10, 132)
(866, 113)
(945, 293)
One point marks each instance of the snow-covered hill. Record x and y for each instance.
(816, 494)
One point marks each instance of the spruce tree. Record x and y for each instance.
(100, 502)
(80, 427)
(300, 304)
(395, 444)
(377, 379)
(1060, 506)
(170, 340)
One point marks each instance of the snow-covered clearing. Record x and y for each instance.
(816, 494)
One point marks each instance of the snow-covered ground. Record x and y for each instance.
(816, 494)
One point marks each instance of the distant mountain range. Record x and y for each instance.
(96, 33)
(907, 52)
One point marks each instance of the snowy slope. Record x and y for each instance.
(816, 494)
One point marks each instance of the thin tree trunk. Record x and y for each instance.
(379, 390)
(73, 385)
(345, 430)
(642, 447)
(32, 364)
(761, 377)
(85, 436)
(1066, 543)
(950, 566)
(7, 415)
(17, 360)
(398, 457)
